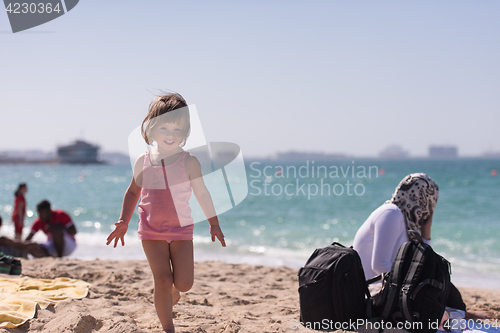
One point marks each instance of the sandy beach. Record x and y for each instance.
(224, 298)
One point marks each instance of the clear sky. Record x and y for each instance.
(334, 76)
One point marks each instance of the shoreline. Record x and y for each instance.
(224, 298)
(203, 252)
(92, 246)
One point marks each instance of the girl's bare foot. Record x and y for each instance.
(169, 331)
(176, 296)
(478, 315)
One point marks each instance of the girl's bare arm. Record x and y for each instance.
(204, 198)
(133, 192)
(132, 195)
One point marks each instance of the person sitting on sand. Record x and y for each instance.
(21, 249)
(411, 208)
(58, 227)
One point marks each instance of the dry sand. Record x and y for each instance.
(224, 298)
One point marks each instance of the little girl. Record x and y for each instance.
(163, 179)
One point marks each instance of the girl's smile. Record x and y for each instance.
(168, 136)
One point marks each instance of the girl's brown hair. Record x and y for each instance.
(162, 105)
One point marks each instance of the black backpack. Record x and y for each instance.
(332, 289)
(416, 289)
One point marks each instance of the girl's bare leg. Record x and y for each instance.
(176, 295)
(181, 256)
(158, 254)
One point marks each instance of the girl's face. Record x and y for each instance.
(168, 136)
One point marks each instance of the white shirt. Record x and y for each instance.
(379, 238)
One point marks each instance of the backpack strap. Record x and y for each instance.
(416, 263)
(393, 282)
(432, 282)
(369, 303)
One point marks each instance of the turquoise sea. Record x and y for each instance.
(292, 208)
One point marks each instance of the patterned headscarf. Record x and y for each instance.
(416, 196)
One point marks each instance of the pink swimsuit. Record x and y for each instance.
(164, 212)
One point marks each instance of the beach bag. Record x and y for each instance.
(332, 288)
(416, 289)
(10, 265)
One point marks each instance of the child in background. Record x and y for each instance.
(19, 210)
(164, 179)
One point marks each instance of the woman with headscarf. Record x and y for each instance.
(410, 209)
